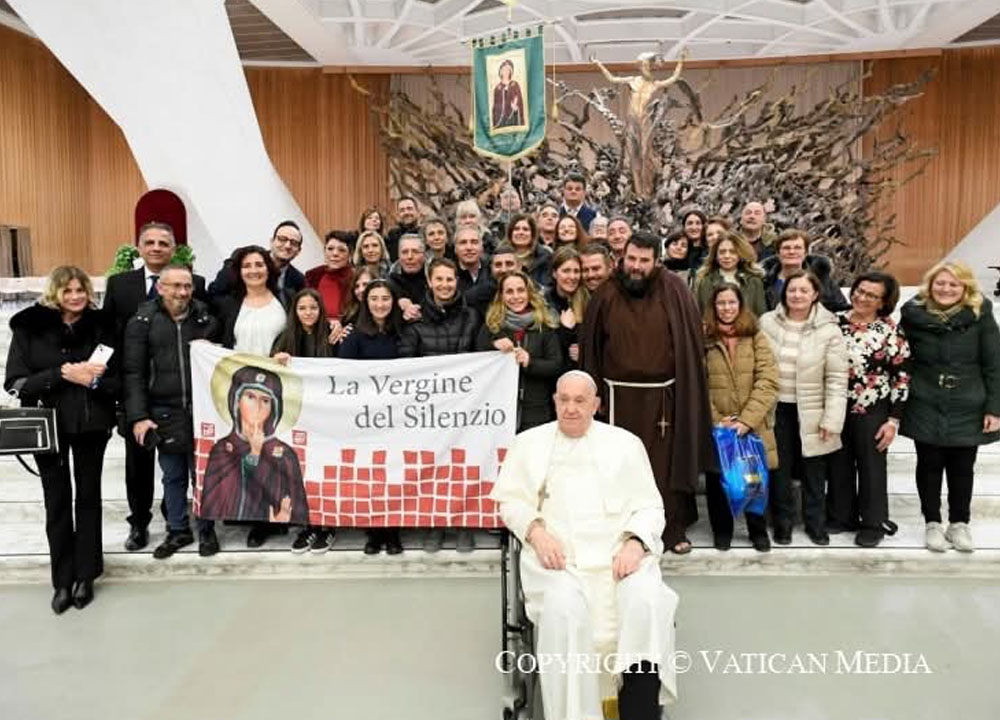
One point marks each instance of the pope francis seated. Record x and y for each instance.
(581, 497)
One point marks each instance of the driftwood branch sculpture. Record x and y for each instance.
(827, 169)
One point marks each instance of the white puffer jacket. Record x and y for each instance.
(820, 377)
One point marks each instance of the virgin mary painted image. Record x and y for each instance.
(251, 474)
(508, 100)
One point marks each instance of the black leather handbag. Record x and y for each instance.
(27, 430)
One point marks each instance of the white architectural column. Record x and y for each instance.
(980, 249)
(169, 75)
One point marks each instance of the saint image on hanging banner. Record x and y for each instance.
(508, 96)
(507, 104)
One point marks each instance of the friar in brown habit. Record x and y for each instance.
(642, 343)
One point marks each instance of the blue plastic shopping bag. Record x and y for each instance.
(743, 463)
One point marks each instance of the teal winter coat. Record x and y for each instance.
(955, 377)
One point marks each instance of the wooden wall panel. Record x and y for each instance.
(68, 174)
(323, 141)
(65, 169)
(960, 116)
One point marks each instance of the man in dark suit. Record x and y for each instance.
(286, 244)
(124, 293)
(574, 193)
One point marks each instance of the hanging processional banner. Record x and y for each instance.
(508, 93)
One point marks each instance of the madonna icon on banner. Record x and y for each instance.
(251, 474)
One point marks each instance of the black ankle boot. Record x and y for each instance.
(83, 593)
(61, 600)
(639, 698)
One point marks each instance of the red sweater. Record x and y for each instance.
(333, 286)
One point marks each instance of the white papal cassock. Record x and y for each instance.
(592, 493)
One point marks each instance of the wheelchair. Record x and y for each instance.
(522, 700)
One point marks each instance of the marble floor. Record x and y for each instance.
(23, 549)
(761, 648)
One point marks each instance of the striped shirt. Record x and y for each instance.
(788, 354)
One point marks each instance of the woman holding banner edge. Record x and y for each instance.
(376, 337)
(447, 327)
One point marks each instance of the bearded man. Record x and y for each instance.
(642, 343)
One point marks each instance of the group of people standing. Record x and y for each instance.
(716, 324)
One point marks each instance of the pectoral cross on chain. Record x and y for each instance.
(663, 426)
(543, 495)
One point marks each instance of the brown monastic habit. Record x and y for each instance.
(646, 339)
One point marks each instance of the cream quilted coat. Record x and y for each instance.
(820, 378)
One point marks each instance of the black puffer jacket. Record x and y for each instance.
(830, 295)
(412, 286)
(41, 343)
(537, 381)
(158, 357)
(955, 375)
(441, 330)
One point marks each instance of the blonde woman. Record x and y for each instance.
(954, 401)
(50, 362)
(468, 214)
(731, 259)
(370, 252)
(567, 299)
(519, 322)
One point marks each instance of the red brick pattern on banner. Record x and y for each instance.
(434, 491)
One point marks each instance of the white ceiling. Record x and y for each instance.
(421, 32)
(434, 32)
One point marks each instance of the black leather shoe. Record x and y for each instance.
(868, 537)
(761, 543)
(138, 538)
(393, 545)
(783, 536)
(208, 543)
(257, 536)
(373, 546)
(174, 542)
(818, 537)
(61, 600)
(83, 593)
(722, 542)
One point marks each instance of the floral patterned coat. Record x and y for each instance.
(878, 362)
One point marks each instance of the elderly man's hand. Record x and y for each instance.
(548, 549)
(627, 559)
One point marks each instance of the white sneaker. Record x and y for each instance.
(935, 538)
(958, 535)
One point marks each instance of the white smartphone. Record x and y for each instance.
(102, 353)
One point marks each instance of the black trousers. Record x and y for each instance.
(73, 526)
(814, 474)
(858, 473)
(932, 462)
(721, 517)
(139, 464)
(639, 696)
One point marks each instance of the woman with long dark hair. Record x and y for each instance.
(694, 224)
(742, 389)
(252, 316)
(567, 299)
(535, 257)
(731, 259)
(376, 337)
